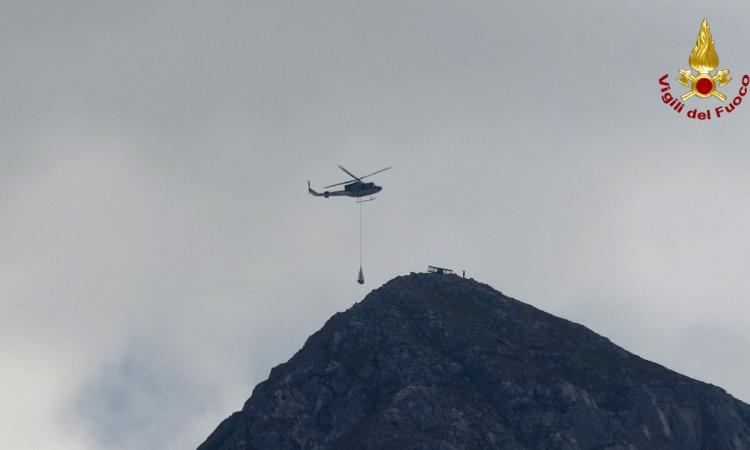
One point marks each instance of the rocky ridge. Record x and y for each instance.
(433, 362)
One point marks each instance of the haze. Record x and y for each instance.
(161, 253)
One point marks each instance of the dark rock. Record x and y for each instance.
(438, 362)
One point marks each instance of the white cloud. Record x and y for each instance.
(160, 253)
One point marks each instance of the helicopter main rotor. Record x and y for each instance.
(355, 178)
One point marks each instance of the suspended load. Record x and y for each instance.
(353, 188)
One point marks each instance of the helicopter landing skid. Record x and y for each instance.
(367, 200)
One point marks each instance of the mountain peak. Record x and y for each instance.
(431, 361)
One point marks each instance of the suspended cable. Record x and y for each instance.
(361, 276)
(360, 234)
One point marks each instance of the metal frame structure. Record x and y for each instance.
(439, 270)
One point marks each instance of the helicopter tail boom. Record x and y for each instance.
(325, 194)
(312, 191)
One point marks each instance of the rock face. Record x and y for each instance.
(438, 362)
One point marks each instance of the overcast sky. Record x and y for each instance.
(160, 253)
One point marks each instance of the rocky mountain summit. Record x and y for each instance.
(435, 362)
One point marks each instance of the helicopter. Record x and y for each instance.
(353, 188)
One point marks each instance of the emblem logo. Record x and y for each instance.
(703, 80)
(704, 60)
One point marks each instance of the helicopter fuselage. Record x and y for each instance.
(356, 189)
